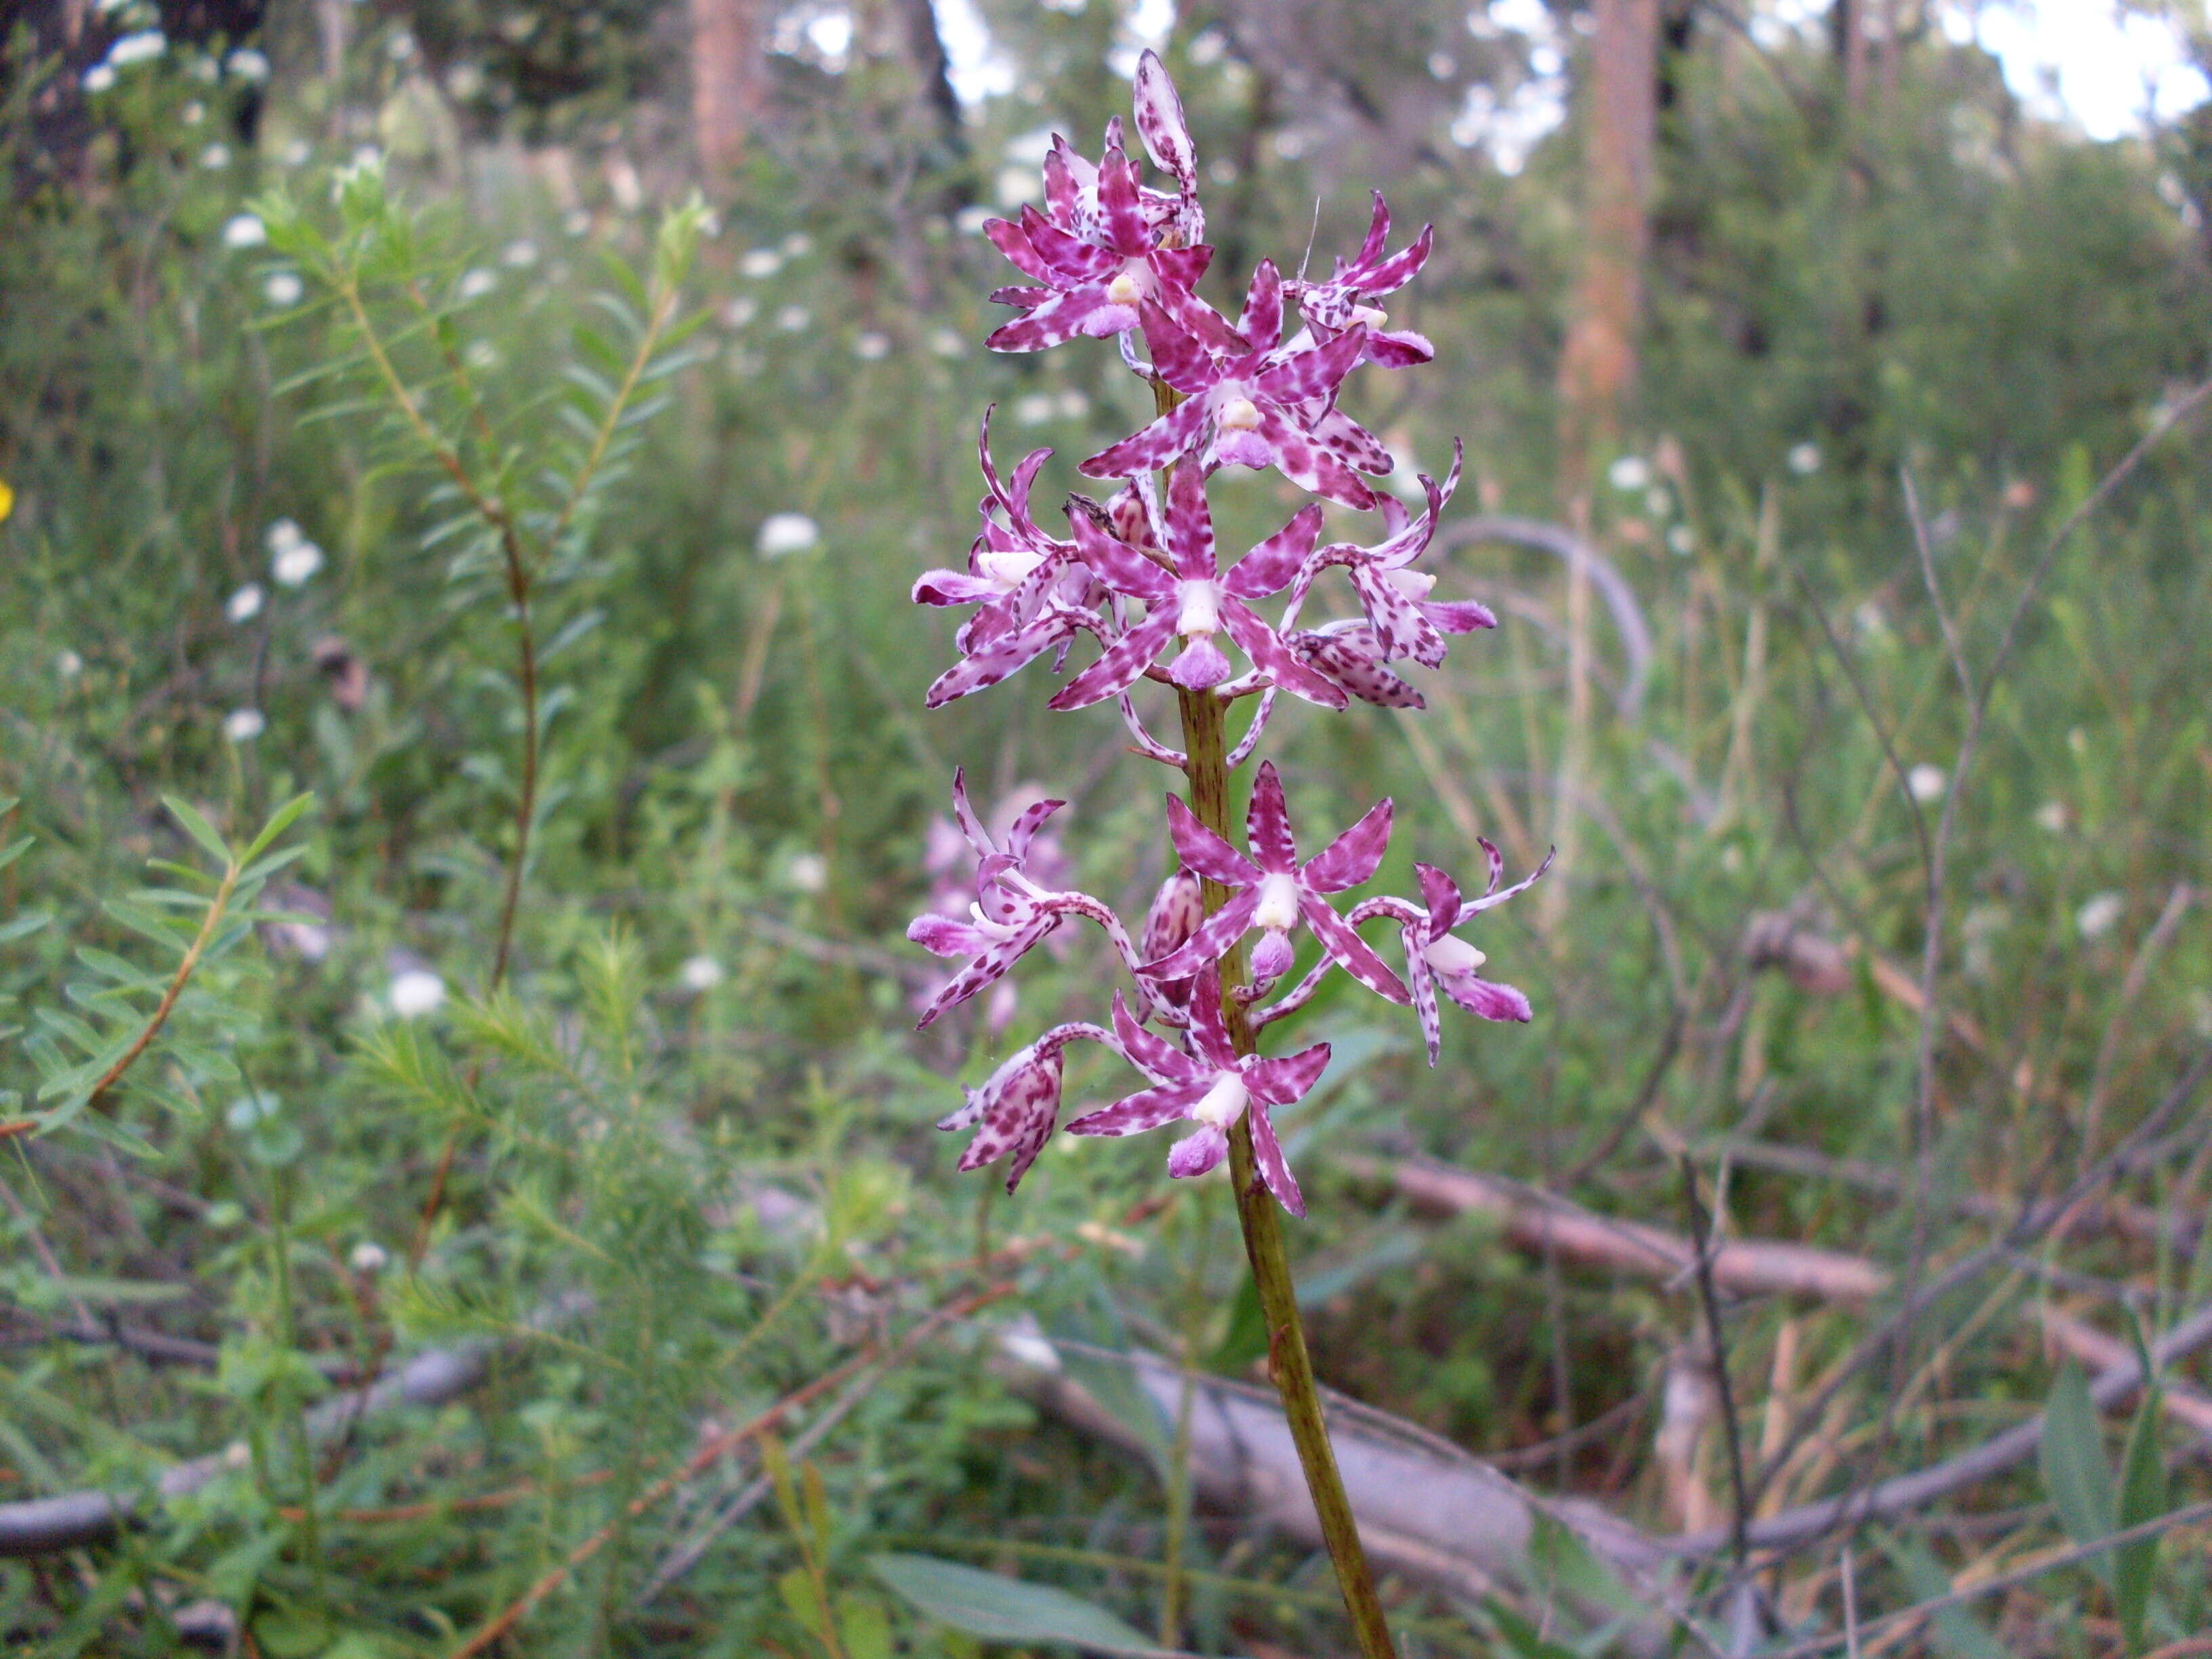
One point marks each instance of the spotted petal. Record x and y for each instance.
(1147, 1109)
(1161, 123)
(1353, 857)
(1274, 1168)
(1350, 951)
(1201, 850)
(1267, 824)
(1170, 437)
(1121, 666)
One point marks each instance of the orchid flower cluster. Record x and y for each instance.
(1140, 573)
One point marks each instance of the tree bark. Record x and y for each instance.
(728, 85)
(1620, 115)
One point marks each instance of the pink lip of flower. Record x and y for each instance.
(1211, 1088)
(1248, 404)
(1195, 601)
(1349, 297)
(1403, 620)
(1011, 913)
(1274, 891)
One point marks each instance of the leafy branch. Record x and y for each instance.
(377, 248)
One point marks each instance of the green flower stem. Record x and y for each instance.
(1288, 1362)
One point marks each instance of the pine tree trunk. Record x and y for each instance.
(728, 85)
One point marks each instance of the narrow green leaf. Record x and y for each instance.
(279, 821)
(1006, 1609)
(2142, 1497)
(2075, 1476)
(198, 828)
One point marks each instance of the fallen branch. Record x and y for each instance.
(1537, 1220)
(1450, 1522)
(40, 1526)
(1792, 1529)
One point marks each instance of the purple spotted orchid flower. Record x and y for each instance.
(1436, 957)
(1011, 913)
(1195, 601)
(1141, 572)
(1348, 298)
(1211, 1086)
(1030, 590)
(1273, 892)
(1402, 621)
(1019, 1105)
(1253, 403)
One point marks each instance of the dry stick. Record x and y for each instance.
(2033, 1219)
(1794, 1529)
(716, 1448)
(1904, 1618)
(1701, 1239)
(2161, 933)
(1288, 1361)
(687, 1555)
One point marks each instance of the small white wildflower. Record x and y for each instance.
(245, 604)
(1018, 185)
(464, 82)
(798, 245)
(1682, 540)
(807, 873)
(1033, 408)
(281, 534)
(1927, 783)
(576, 222)
(284, 287)
(1804, 459)
(243, 724)
(970, 221)
(736, 314)
(1657, 502)
(98, 78)
(760, 263)
(297, 154)
(477, 283)
(1072, 404)
(247, 65)
(946, 343)
(295, 562)
(1628, 473)
(142, 47)
(415, 992)
(216, 155)
(368, 155)
(192, 113)
(791, 318)
(68, 663)
(782, 533)
(481, 354)
(2050, 818)
(519, 254)
(872, 347)
(367, 1257)
(2099, 914)
(244, 230)
(238, 1455)
(701, 973)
